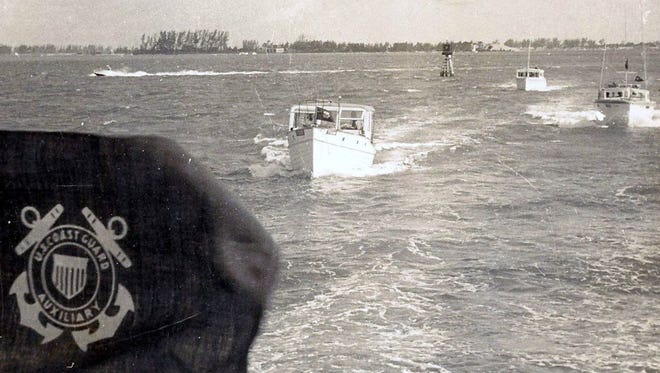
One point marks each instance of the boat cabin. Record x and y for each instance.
(352, 118)
(623, 92)
(529, 73)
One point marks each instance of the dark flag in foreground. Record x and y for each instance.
(123, 254)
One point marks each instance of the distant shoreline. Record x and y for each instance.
(54, 54)
(216, 42)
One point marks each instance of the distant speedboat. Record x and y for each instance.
(106, 72)
(328, 137)
(530, 78)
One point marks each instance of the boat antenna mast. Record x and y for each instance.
(625, 40)
(602, 68)
(646, 84)
(337, 123)
(529, 53)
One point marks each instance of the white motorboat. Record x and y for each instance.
(625, 104)
(106, 72)
(530, 78)
(328, 137)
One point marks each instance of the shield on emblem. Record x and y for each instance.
(69, 274)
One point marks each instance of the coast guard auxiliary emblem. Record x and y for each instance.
(71, 278)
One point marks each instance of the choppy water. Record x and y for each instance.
(498, 230)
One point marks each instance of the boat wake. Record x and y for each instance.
(392, 157)
(654, 122)
(295, 72)
(140, 74)
(397, 144)
(565, 118)
(550, 88)
(583, 118)
(543, 89)
(507, 86)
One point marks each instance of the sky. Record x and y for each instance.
(117, 23)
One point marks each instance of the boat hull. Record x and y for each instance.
(531, 84)
(626, 113)
(321, 151)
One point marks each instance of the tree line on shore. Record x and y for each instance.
(217, 41)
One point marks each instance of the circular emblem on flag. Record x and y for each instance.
(71, 276)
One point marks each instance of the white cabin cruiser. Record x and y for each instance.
(328, 137)
(530, 79)
(625, 105)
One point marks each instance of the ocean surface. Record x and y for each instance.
(498, 230)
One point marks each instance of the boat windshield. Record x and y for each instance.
(623, 92)
(530, 73)
(303, 119)
(351, 120)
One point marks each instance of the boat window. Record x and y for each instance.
(620, 94)
(607, 94)
(304, 119)
(323, 116)
(351, 119)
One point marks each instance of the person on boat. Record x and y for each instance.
(360, 126)
(638, 78)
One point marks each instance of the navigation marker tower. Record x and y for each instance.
(448, 67)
